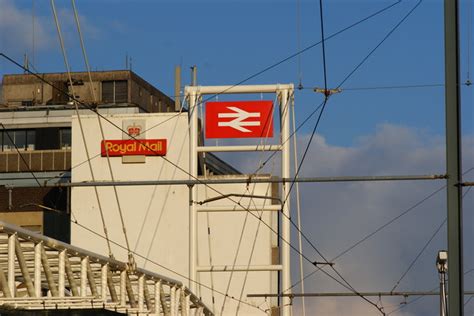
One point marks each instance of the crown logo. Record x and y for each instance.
(134, 130)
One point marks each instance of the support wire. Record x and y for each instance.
(66, 63)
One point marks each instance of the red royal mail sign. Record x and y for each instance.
(239, 119)
(132, 147)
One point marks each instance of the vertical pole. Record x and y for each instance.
(453, 159)
(141, 284)
(103, 283)
(157, 298)
(123, 291)
(84, 276)
(11, 264)
(172, 300)
(442, 293)
(194, 75)
(285, 223)
(61, 273)
(177, 88)
(193, 169)
(38, 269)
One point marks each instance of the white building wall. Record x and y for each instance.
(157, 217)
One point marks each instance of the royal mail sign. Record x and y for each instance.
(239, 119)
(132, 147)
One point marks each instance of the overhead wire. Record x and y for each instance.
(307, 48)
(263, 141)
(162, 157)
(66, 63)
(298, 209)
(412, 263)
(469, 39)
(279, 236)
(380, 228)
(326, 96)
(184, 170)
(267, 125)
(208, 219)
(298, 41)
(352, 72)
(299, 52)
(420, 297)
(161, 265)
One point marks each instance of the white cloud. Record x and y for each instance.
(336, 215)
(16, 29)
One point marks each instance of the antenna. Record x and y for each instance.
(25, 64)
(126, 61)
(194, 75)
(177, 88)
(33, 32)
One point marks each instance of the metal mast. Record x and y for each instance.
(453, 159)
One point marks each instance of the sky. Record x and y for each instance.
(362, 131)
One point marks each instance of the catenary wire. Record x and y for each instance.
(183, 170)
(66, 63)
(170, 162)
(354, 70)
(164, 158)
(298, 208)
(319, 119)
(261, 71)
(290, 57)
(326, 95)
(263, 142)
(412, 264)
(158, 264)
(218, 192)
(381, 42)
(380, 228)
(469, 43)
(419, 297)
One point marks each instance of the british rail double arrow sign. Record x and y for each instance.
(239, 119)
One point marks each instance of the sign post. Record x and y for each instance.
(242, 119)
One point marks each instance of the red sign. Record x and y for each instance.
(239, 119)
(132, 147)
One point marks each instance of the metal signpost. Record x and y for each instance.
(285, 93)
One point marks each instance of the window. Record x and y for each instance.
(23, 139)
(115, 91)
(65, 138)
(27, 103)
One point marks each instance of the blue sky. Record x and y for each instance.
(231, 40)
(387, 131)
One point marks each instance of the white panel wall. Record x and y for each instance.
(156, 217)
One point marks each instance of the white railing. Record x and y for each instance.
(37, 272)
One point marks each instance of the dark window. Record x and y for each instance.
(7, 142)
(20, 139)
(115, 91)
(60, 92)
(47, 138)
(65, 138)
(30, 139)
(23, 139)
(27, 103)
(108, 92)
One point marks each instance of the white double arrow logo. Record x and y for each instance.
(239, 116)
